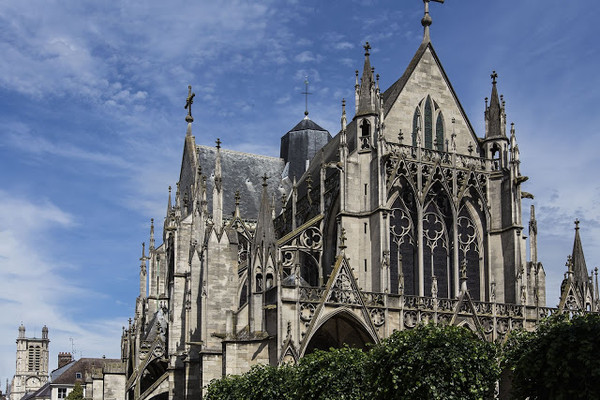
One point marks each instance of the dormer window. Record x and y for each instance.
(77, 375)
(426, 113)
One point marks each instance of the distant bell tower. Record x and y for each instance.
(32, 364)
(301, 143)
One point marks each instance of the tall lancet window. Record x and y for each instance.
(438, 144)
(428, 124)
(416, 127)
(426, 113)
(403, 249)
(469, 252)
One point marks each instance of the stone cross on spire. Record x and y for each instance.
(576, 223)
(188, 104)
(494, 75)
(367, 47)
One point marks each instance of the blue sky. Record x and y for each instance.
(92, 124)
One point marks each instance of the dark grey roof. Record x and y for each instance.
(83, 366)
(307, 124)
(243, 172)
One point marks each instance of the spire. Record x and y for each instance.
(143, 272)
(236, 214)
(426, 21)
(533, 235)
(218, 189)
(169, 206)
(493, 113)
(344, 121)
(578, 260)
(152, 243)
(366, 90)
(265, 230)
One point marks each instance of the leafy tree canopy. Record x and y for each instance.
(76, 393)
(560, 360)
(433, 362)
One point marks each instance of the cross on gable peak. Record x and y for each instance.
(188, 104)
(367, 47)
(494, 75)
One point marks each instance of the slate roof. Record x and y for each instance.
(306, 124)
(83, 365)
(243, 172)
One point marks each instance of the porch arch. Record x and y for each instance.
(339, 329)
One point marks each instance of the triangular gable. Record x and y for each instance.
(341, 290)
(391, 95)
(571, 299)
(466, 314)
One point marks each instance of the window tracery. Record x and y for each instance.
(429, 116)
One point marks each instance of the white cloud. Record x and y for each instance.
(35, 286)
(305, 56)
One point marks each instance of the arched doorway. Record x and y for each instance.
(339, 330)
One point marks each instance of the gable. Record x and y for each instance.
(426, 77)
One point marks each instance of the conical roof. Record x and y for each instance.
(580, 271)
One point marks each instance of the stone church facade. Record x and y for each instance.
(405, 216)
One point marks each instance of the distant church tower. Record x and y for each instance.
(32, 364)
(301, 143)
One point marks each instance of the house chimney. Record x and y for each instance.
(64, 359)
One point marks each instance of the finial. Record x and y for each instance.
(237, 197)
(143, 251)
(188, 104)
(367, 47)
(218, 142)
(306, 93)
(494, 75)
(569, 264)
(264, 178)
(577, 224)
(344, 121)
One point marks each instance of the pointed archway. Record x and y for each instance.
(339, 330)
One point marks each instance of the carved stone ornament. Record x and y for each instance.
(377, 316)
(307, 311)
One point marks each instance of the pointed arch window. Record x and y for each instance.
(439, 132)
(428, 124)
(426, 113)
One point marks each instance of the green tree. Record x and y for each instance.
(76, 393)
(560, 360)
(432, 362)
(262, 382)
(331, 375)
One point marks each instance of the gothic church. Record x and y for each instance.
(405, 216)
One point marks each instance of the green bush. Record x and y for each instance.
(331, 375)
(560, 360)
(433, 362)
